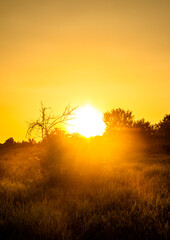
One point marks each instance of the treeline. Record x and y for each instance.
(121, 120)
(118, 122)
(151, 137)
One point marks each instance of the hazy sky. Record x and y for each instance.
(105, 53)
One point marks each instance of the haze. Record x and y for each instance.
(104, 53)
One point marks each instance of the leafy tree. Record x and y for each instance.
(10, 141)
(118, 119)
(143, 126)
(47, 121)
(163, 127)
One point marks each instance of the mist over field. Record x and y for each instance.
(67, 186)
(83, 166)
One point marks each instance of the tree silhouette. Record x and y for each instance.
(10, 141)
(163, 127)
(143, 126)
(47, 121)
(118, 119)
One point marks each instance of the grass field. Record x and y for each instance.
(65, 193)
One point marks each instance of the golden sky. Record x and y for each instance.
(109, 53)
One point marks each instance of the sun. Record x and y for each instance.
(87, 122)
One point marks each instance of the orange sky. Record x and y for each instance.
(104, 53)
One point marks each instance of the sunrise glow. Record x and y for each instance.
(88, 122)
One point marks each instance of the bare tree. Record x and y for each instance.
(48, 121)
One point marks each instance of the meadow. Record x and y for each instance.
(77, 188)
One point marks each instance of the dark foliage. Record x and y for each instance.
(118, 119)
(163, 127)
(9, 141)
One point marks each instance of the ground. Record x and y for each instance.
(53, 193)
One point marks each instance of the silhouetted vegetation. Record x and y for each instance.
(117, 119)
(113, 186)
(48, 121)
(144, 127)
(9, 141)
(163, 127)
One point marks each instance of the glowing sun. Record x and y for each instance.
(87, 122)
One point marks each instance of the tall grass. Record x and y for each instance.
(83, 189)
